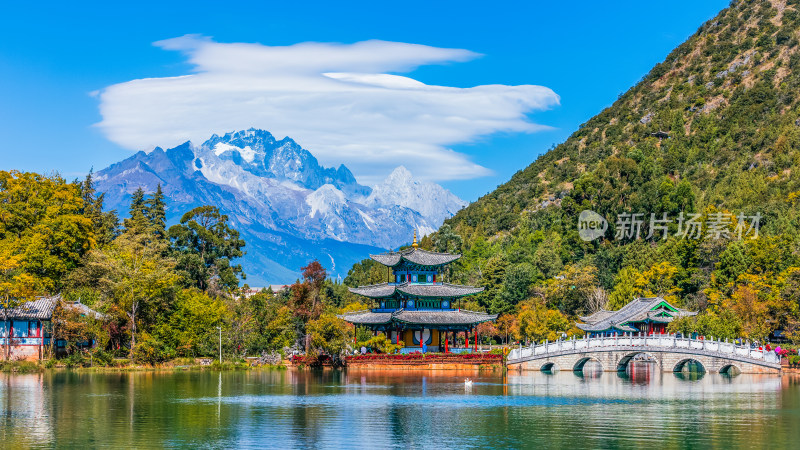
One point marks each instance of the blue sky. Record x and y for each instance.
(54, 56)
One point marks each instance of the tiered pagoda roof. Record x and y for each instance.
(415, 256)
(419, 317)
(653, 309)
(415, 276)
(434, 290)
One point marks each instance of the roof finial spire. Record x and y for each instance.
(415, 245)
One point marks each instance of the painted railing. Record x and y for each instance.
(434, 349)
(25, 341)
(660, 342)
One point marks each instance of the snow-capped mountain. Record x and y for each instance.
(434, 202)
(288, 207)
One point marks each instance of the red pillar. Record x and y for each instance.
(466, 339)
(476, 340)
(445, 341)
(421, 337)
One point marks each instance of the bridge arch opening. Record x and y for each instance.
(550, 367)
(730, 370)
(644, 357)
(594, 365)
(689, 365)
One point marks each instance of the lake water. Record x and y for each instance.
(379, 409)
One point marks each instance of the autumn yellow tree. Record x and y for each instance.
(16, 286)
(42, 220)
(536, 322)
(570, 290)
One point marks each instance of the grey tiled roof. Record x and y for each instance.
(425, 317)
(383, 290)
(437, 290)
(459, 317)
(367, 318)
(39, 309)
(415, 256)
(84, 310)
(636, 311)
(597, 316)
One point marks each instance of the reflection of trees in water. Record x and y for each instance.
(391, 409)
(23, 402)
(679, 410)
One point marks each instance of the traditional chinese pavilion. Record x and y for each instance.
(642, 315)
(418, 307)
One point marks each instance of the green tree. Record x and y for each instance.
(329, 334)
(517, 284)
(204, 245)
(367, 272)
(154, 209)
(134, 279)
(493, 276)
(41, 219)
(570, 290)
(105, 223)
(536, 322)
(723, 325)
(447, 241)
(625, 288)
(191, 326)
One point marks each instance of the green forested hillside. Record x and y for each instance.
(715, 128)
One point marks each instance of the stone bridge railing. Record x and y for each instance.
(655, 343)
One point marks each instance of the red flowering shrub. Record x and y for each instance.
(417, 357)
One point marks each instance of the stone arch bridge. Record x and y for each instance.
(669, 352)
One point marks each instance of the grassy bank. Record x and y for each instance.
(127, 366)
(20, 367)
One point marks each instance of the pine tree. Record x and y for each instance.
(155, 212)
(137, 223)
(105, 224)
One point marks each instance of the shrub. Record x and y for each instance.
(76, 359)
(382, 343)
(151, 351)
(101, 357)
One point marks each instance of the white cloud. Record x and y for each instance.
(336, 100)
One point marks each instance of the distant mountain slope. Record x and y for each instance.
(715, 127)
(288, 207)
(720, 113)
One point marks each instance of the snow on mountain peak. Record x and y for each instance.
(325, 200)
(247, 153)
(400, 175)
(429, 199)
(282, 199)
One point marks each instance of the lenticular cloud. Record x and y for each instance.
(337, 100)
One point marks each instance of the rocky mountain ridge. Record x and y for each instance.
(282, 200)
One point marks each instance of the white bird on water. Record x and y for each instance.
(467, 383)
